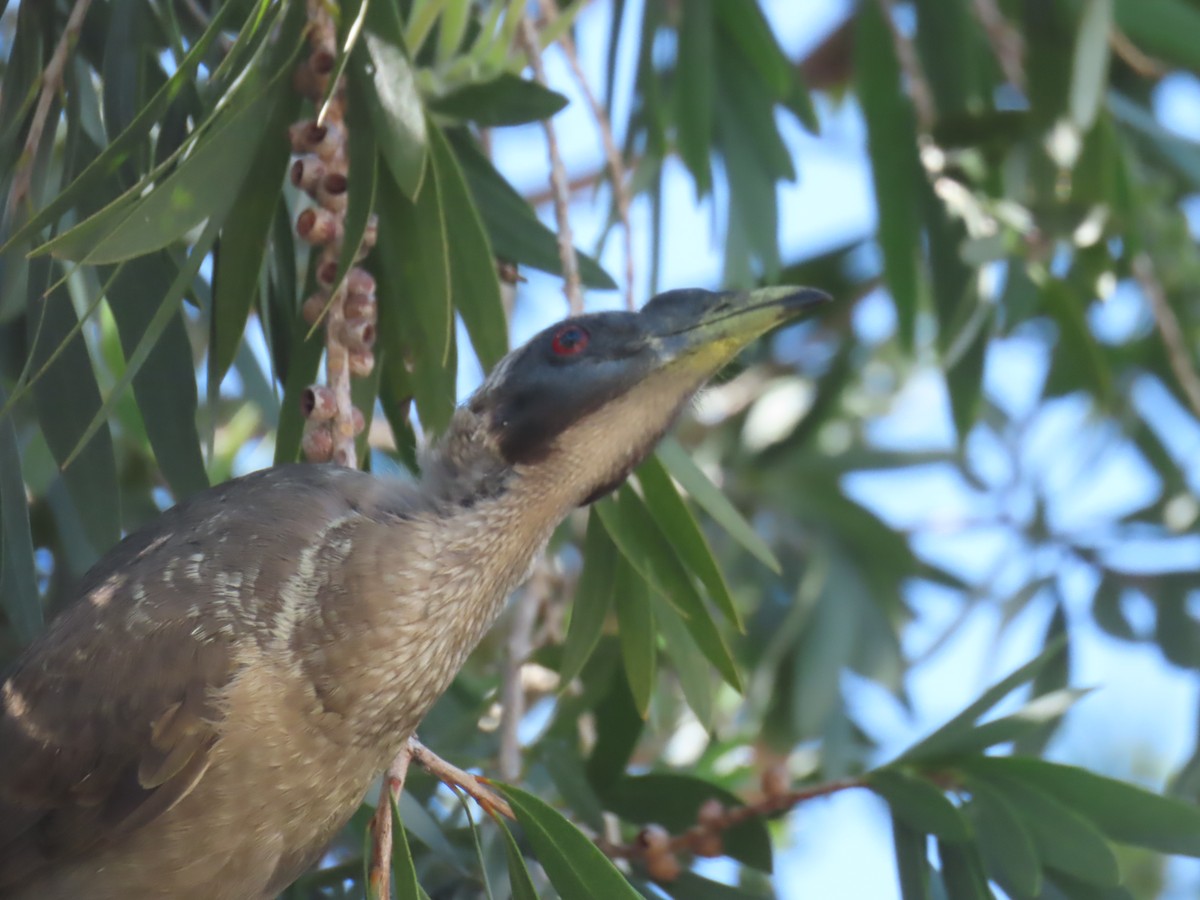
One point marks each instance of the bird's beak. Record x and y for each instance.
(705, 335)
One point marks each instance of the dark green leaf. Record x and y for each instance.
(406, 884)
(690, 886)
(1162, 28)
(302, 371)
(243, 244)
(574, 864)
(696, 677)
(920, 803)
(505, 100)
(709, 498)
(695, 91)
(635, 627)
(518, 874)
(635, 533)
(593, 600)
(516, 233)
(362, 176)
(891, 140)
(1064, 839)
(951, 737)
(67, 397)
(962, 872)
(673, 801)
(562, 761)
(167, 307)
(912, 860)
(681, 529)
(414, 295)
(165, 386)
(203, 187)
(1124, 812)
(116, 153)
(474, 281)
(1006, 843)
(393, 101)
(18, 581)
(618, 727)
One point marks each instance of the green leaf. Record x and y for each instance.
(1089, 65)
(505, 100)
(673, 802)
(635, 627)
(116, 153)
(709, 498)
(1124, 812)
(518, 874)
(691, 665)
(574, 864)
(912, 861)
(632, 528)
(406, 884)
(393, 101)
(695, 91)
(474, 281)
(362, 183)
(1005, 842)
(681, 529)
(414, 295)
(562, 760)
(305, 359)
(920, 803)
(1064, 839)
(593, 600)
(67, 397)
(895, 168)
(952, 736)
(517, 234)
(150, 336)
(18, 580)
(165, 386)
(690, 886)
(618, 727)
(751, 33)
(1079, 362)
(1162, 28)
(962, 872)
(203, 187)
(239, 255)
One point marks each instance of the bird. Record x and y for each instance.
(211, 709)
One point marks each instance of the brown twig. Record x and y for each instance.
(452, 775)
(1142, 63)
(612, 155)
(1168, 326)
(910, 65)
(379, 873)
(52, 80)
(1007, 44)
(573, 285)
(657, 849)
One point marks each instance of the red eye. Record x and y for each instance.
(570, 340)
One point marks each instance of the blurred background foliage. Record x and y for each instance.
(1019, 321)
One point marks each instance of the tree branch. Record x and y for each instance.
(52, 80)
(573, 286)
(1168, 326)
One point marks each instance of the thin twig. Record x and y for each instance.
(910, 65)
(452, 775)
(52, 80)
(693, 840)
(379, 874)
(1007, 44)
(519, 646)
(1168, 326)
(573, 285)
(612, 155)
(1144, 64)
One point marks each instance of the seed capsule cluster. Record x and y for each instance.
(348, 312)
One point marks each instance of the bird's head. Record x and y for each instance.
(583, 402)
